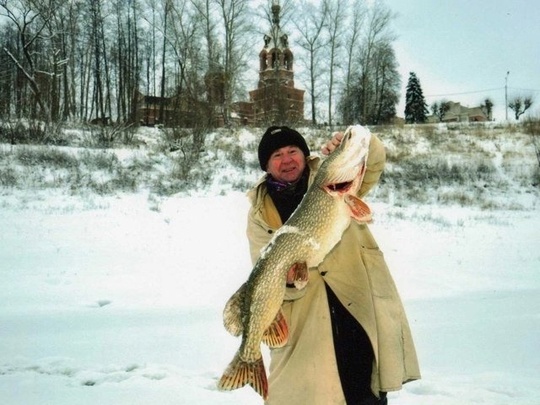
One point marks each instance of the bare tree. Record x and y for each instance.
(66, 29)
(439, 109)
(377, 34)
(310, 23)
(336, 13)
(487, 108)
(31, 25)
(235, 23)
(166, 12)
(125, 58)
(520, 104)
(151, 48)
(51, 53)
(287, 9)
(96, 41)
(204, 11)
(214, 77)
(357, 14)
(186, 41)
(386, 82)
(8, 72)
(372, 85)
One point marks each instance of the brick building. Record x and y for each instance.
(275, 100)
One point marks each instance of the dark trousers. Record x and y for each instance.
(354, 355)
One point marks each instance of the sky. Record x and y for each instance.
(461, 50)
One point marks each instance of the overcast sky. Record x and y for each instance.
(461, 50)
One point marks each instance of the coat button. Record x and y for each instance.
(270, 231)
(323, 273)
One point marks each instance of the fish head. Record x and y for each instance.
(343, 170)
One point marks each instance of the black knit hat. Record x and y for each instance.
(278, 137)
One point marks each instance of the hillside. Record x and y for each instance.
(488, 167)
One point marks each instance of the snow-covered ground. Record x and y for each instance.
(117, 300)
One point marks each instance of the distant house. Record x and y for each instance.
(459, 113)
(168, 111)
(149, 109)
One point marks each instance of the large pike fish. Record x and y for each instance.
(316, 226)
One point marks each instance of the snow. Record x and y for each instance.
(118, 299)
(119, 303)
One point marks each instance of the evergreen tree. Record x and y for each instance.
(415, 104)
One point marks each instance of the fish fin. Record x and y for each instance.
(232, 313)
(301, 275)
(240, 373)
(360, 211)
(277, 333)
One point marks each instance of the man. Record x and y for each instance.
(349, 339)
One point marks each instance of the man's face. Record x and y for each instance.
(286, 164)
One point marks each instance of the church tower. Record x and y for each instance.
(276, 101)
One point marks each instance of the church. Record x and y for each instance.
(275, 101)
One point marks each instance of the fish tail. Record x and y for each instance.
(240, 373)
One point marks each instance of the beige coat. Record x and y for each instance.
(305, 370)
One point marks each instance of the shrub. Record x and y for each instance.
(236, 156)
(45, 156)
(8, 177)
(102, 160)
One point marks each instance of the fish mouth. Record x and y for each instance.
(344, 187)
(340, 187)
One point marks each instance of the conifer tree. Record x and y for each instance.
(415, 104)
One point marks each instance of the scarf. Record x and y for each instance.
(287, 196)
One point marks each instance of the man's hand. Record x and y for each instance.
(332, 144)
(298, 276)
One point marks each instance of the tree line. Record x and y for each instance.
(89, 60)
(416, 108)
